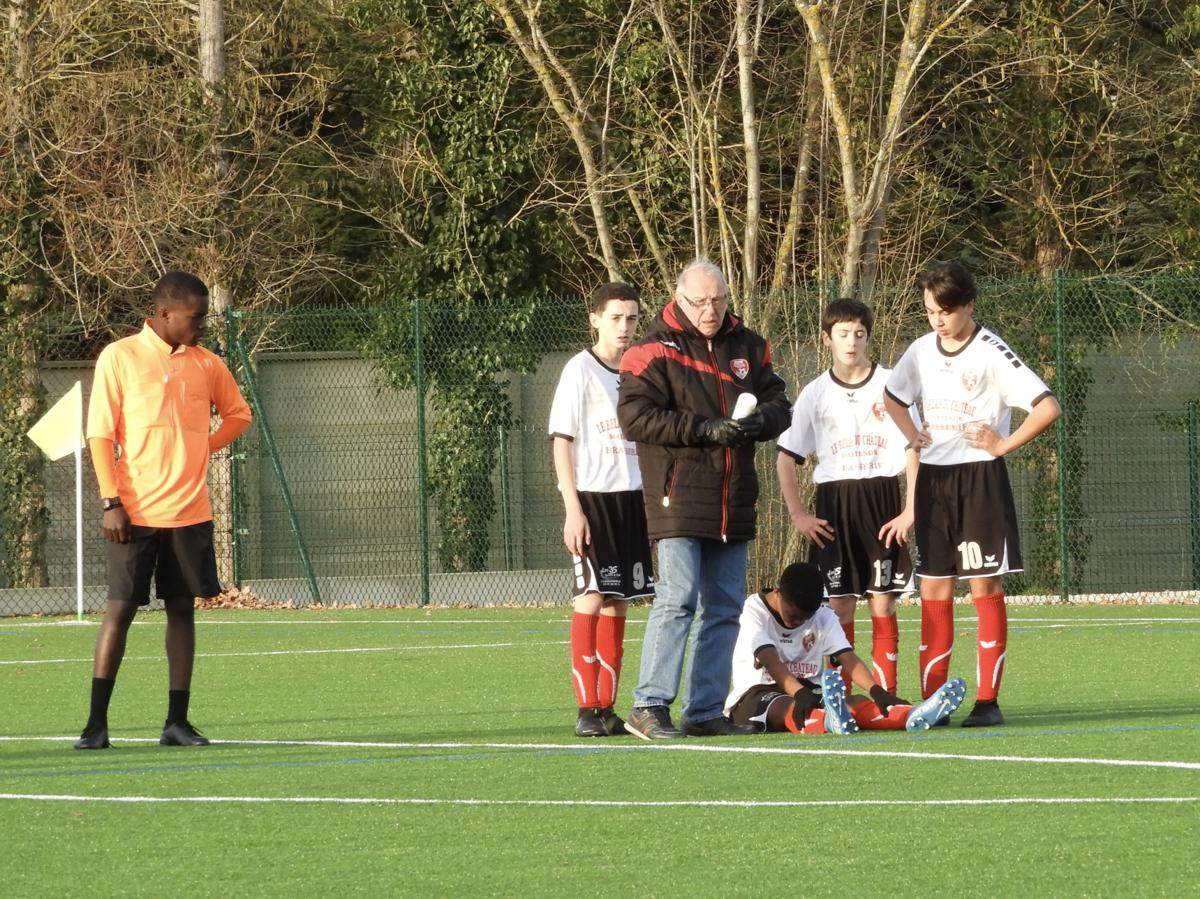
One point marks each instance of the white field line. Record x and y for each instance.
(299, 652)
(1014, 621)
(606, 803)
(682, 746)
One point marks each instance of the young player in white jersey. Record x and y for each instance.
(605, 527)
(968, 381)
(859, 526)
(780, 681)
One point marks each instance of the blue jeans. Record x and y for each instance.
(693, 572)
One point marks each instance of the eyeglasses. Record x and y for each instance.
(705, 302)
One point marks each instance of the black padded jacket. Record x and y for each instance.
(671, 381)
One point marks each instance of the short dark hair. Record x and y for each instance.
(614, 290)
(175, 289)
(802, 587)
(951, 285)
(847, 310)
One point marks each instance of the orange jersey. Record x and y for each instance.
(155, 404)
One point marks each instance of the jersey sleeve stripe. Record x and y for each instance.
(1040, 397)
(554, 434)
(788, 452)
(896, 398)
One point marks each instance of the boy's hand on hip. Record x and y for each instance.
(115, 525)
(984, 437)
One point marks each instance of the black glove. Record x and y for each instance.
(721, 431)
(886, 700)
(805, 699)
(752, 425)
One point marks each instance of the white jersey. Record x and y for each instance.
(802, 649)
(848, 427)
(585, 411)
(981, 382)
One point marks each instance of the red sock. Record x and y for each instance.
(848, 630)
(610, 645)
(870, 717)
(992, 645)
(584, 668)
(814, 722)
(885, 649)
(937, 640)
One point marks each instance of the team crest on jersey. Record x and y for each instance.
(970, 380)
(879, 410)
(808, 640)
(740, 367)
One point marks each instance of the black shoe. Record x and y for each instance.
(93, 738)
(652, 723)
(590, 724)
(985, 714)
(945, 722)
(614, 724)
(718, 727)
(181, 733)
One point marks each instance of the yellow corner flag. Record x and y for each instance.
(60, 431)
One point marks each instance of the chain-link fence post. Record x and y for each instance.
(422, 464)
(1193, 463)
(505, 499)
(264, 428)
(236, 513)
(1060, 388)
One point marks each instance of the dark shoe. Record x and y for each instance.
(945, 722)
(614, 724)
(93, 738)
(718, 727)
(590, 724)
(985, 714)
(181, 733)
(652, 723)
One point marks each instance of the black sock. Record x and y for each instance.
(102, 688)
(177, 703)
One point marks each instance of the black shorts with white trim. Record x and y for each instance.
(966, 521)
(855, 561)
(617, 561)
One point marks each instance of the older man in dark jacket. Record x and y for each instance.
(679, 388)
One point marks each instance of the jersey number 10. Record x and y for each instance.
(972, 555)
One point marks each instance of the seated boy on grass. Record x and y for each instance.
(781, 682)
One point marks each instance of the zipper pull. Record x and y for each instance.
(666, 502)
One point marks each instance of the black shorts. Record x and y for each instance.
(855, 561)
(966, 521)
(182, 562)
(751, 707)
(617, 562)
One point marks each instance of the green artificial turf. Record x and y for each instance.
(1092, 684)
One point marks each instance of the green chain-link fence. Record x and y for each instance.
(399, 454)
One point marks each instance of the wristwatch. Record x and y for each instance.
(108, 503)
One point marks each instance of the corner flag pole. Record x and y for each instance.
(79, 532)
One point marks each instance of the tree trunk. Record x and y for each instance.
(745, 55)
(23, 516)
(211, 20)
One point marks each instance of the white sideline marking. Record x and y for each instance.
(608, 803)
(1014, 620)
(299, 652)
(682, 746)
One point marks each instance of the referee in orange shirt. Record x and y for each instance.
(152, 396)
